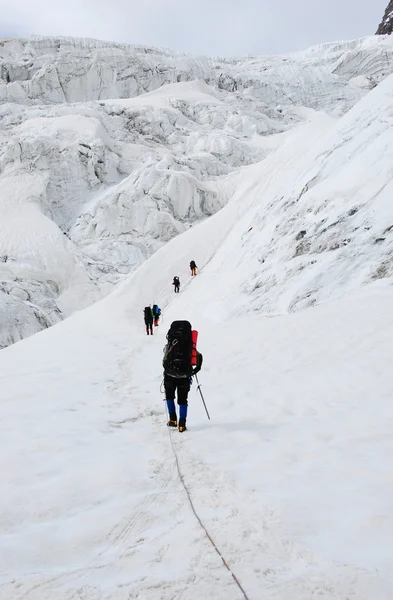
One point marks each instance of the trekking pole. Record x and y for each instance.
(200, 391)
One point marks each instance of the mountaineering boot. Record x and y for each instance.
(183, 415)
(172, 420)
(172, 413)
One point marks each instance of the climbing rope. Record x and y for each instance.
(209, 537)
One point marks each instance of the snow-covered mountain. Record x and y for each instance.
(291, 479)
(109, 151)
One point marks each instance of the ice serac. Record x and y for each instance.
(386, 25)
(109, 151)
(55, 70)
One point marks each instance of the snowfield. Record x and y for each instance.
(109, 151)
(291, 478)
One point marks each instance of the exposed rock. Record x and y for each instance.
(386, 25)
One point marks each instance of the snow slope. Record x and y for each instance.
(291, 477)
(108, 151)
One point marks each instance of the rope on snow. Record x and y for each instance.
(209, 537)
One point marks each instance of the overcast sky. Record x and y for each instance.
(212, 27)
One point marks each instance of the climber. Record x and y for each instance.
(156, 314)
(148, 316)
(176, 283)
(193, 268)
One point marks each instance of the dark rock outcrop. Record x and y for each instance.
(386, 26)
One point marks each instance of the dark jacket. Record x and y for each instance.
(148, 315)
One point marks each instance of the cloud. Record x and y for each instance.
(215, 27)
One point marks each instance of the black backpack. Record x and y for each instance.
(177, 359)
(148, 315)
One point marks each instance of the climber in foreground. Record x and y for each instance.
(193, 268)
(148, 315)
(181, 362)
(156, 314)
(176, 283)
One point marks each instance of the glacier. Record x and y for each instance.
(108, 151)
(286, 208)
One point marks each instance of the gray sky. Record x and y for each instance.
(213, 27)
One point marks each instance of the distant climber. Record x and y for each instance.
(178, 370)
(148, 314)
(176, 283)
(193, 268)
(156, 314)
